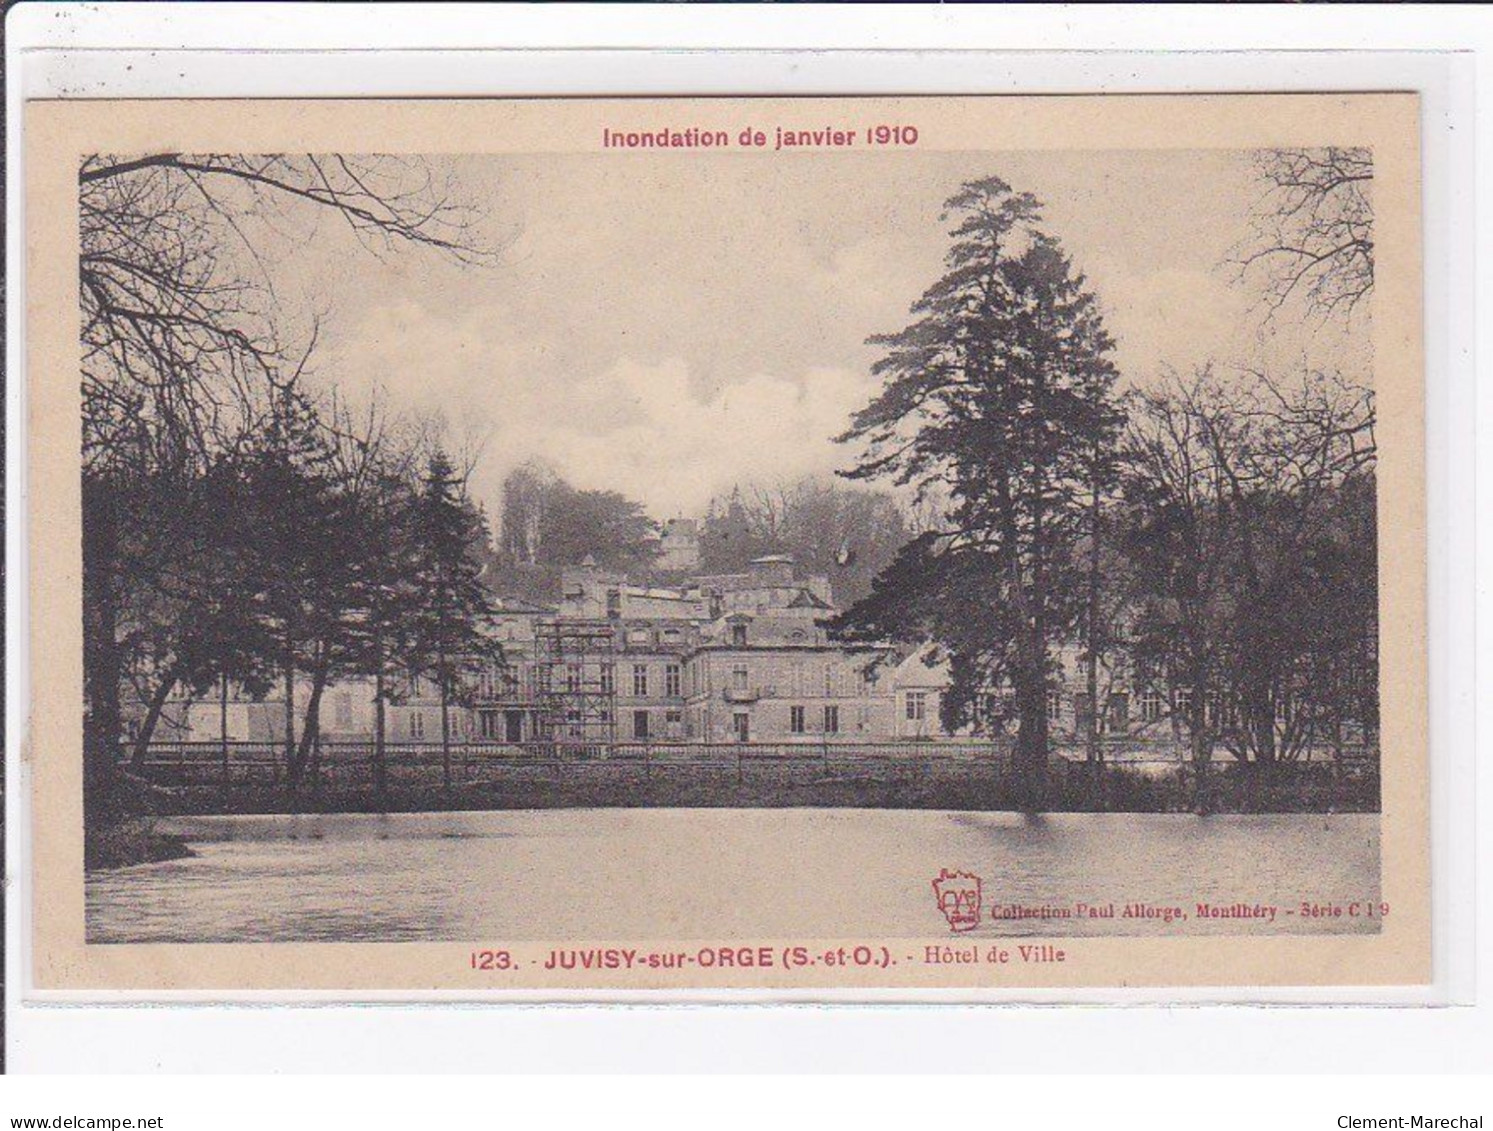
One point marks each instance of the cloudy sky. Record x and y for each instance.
(671, 325)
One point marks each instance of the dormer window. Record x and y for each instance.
(738, 635)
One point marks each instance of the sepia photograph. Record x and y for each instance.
(740, 524)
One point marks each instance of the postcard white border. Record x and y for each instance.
(53, 1034)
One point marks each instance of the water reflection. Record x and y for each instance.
(720, 874)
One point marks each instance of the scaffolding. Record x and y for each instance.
(576, 674)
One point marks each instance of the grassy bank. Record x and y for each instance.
(962, 787)
(1115, 789)
(131, 840)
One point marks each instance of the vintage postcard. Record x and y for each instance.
(554, 546)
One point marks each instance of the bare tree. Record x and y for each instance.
(845, 533)
(1312, 229)
(1178, 540)
(184, 350)
(181, 327)
(1250, 528)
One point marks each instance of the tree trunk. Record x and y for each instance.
(1028, 674)
(223, 733)
(1201, 741)
(152, 717)
(1030, 687)
(443, 676)
(1092, 751)
(311, 728)
(1202, 765)
(380, 766)
(1258, 721)
(103, 659)
(289, 660)
(445, 727)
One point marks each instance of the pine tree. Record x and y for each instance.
(999, 394)
(450, 638)
(388, 598)
(297, 537)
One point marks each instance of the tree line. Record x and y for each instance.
(1216, 530)
(237, 528)
(547, 525)
(846, 535)
(319, 546)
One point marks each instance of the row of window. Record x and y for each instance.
(1116, 715)
(798, 720)
(459, 724)
(495, 684)
(830, 682)
(643, 638)
(607, 682)
(678, 680)
(642, 723)
(1152, 703)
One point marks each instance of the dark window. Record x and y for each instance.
(1083, 711)
(738, 635)
(640, 724)
(1182, 705)
(832, 720)
(1151, 704)
(796, 720)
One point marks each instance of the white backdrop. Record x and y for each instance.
(299, 51)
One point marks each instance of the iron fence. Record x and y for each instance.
(342, 763)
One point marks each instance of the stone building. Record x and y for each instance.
(727, 658)
(774, 676)
(679, 546)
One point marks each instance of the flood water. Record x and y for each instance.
(636, 874)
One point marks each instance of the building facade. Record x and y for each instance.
(728, 658)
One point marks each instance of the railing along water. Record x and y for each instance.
(968, 771)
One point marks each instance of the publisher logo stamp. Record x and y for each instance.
(958, 898)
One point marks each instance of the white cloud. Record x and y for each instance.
(641, 427)
(675, 450)
(668, 328)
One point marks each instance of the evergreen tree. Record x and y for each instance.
(298, 531)
(1000, 394)
(388, 599)
(450, 637)
(729, 539)
(182, 351)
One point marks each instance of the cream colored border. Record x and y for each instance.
(59, 133)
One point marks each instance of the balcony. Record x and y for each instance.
(743, 694)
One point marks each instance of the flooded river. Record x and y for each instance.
(723, 873)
